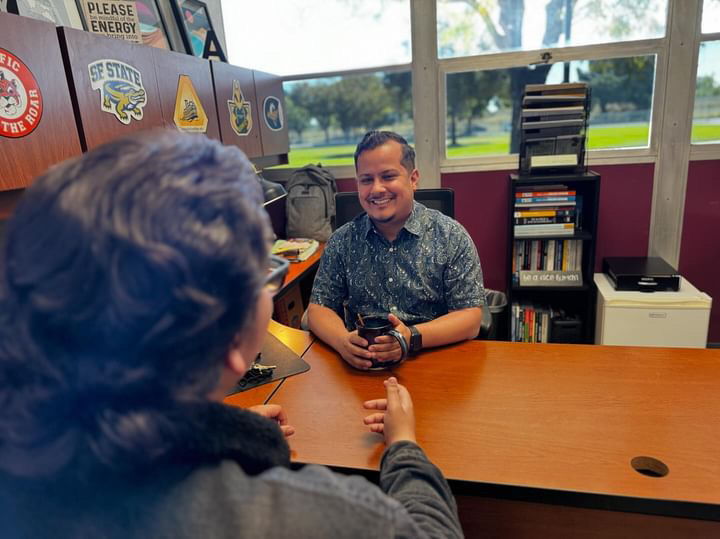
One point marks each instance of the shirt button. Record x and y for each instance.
(390, 279)
(391, 249)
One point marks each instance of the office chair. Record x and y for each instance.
(347, 205)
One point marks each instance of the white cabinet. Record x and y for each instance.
(672, 319)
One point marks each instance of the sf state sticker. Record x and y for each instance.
(21, 104)
(122, 93)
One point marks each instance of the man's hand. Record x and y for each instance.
(396, 421)
(386, 347)
(353, 349)
(275, 412)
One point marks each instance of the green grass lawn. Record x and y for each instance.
(706, 133)
(598, 137)
(325, 155)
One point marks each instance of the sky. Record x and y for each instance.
(288, 37)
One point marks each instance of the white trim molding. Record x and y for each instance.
(673, 135)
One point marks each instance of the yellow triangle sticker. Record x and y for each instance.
(189, 113)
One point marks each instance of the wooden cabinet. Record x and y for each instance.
(182, 80)
(551, 257)
(37, 125)
(237, 107)
(92, 89)
(271, 113)
(114, 85)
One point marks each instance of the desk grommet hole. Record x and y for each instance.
(649, 466)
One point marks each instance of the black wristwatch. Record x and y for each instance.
(415, 341)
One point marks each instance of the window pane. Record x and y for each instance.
(711, 16)
(483, 106)
(328, 117)
(468, 28)
(313, 36)
(706, 114)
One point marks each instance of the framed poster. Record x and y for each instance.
(196, 29)
(111, 18)
(153, 30)
(59, 12)
(138, 21)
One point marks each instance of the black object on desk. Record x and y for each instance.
(641, 274)
(273, 352)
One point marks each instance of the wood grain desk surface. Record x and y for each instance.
(563, 417)
(298, 341)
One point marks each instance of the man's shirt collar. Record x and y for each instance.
(413, 224)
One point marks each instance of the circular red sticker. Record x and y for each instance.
(21, 103)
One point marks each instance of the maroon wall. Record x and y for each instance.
(481, 205)
(625, 207)
(700, 248)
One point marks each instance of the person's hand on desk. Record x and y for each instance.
(353, 349)
(276, 413)
(396, 421)
(387, 347)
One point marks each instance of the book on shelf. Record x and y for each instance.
(544, 227)
(557, 199)
(541, 203)
(546, 211)
(547, 193)
(545, 220)
(546, 255)
(530, 323)
(295, 249)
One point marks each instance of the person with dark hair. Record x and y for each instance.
(134, 293)
(399, 260)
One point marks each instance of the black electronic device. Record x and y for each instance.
(644, 274)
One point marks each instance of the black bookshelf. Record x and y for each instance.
(568, 296)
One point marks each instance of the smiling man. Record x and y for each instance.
(400, 260)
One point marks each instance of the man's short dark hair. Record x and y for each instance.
(373, 139)
(126, 275)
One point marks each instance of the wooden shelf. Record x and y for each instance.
(577, 302)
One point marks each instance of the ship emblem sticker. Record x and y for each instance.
(189, 113)
(273, 113)
(240, 113)
(21, 103)
(121, 89)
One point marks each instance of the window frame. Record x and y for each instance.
(704, 151)
(434, 111)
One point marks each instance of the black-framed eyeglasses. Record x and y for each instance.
(277, 271)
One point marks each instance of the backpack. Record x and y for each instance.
(310, 203)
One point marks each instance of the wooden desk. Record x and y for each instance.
(298, 270)
(537, 439)
(298, 341)
(292, 299)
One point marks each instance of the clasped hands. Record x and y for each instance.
(354, 349)
(394, 416)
